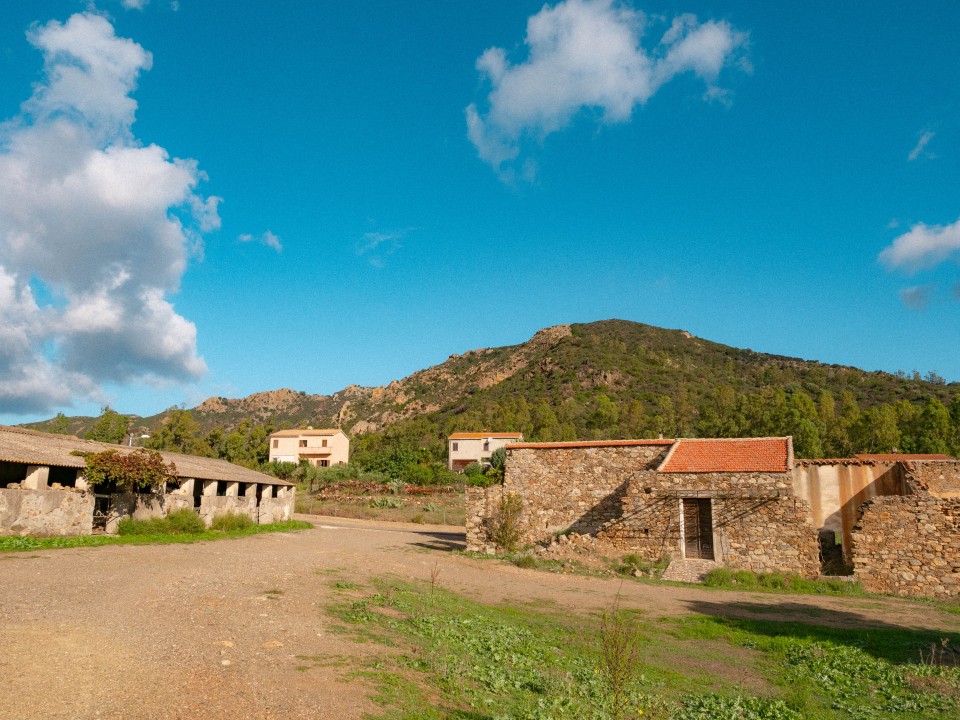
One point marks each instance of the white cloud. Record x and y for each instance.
(919, 149)
(134, 4)
(917, 297)
(588, 54)
(377, 246)
(924, 246)
(103, 223)
(267, 238)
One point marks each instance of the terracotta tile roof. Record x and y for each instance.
(482, 435)
(30, 447)
(729, 455)
(901, 457)
(298, 433)
(584, 444)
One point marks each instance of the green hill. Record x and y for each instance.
(615, 379)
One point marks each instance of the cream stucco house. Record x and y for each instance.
(464, 448)
(321, 448)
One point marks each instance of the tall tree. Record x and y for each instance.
(110, 427)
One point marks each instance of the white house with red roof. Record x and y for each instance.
(465, 448)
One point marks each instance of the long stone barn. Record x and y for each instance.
(42, 490)
(745, 503)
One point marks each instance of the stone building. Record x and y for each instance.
(42, 490)
(746, 503)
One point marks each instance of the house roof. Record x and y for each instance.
(700, 455)
(30, 447)
(482, 435)
(901, 457)
(308, 431)
(585, 444)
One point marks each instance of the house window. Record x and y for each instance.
(276, 443)
(303, 443)
(324, 463)
(486, 445)
(324, 443)
(456, 446)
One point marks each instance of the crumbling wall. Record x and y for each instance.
(939, 478)
(481, 505)
(213, 506)
(576, 489)
(276, 509)
(759, 524)
(909, 546)
(143, 506)
(45, 512)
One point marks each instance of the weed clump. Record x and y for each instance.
(503, 527)
(231, 522)
(776, 581)
(179, 522)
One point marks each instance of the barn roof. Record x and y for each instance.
(31, 447)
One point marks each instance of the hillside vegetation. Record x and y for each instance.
(609, 379)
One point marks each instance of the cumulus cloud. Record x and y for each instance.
(920, 148)
(923, 246)
(588, 54)
(96, 229)
(134, 4)
(267, 238)
(918, 296)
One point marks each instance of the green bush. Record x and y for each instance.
(231, 522)
(179, 522)
(473, 470)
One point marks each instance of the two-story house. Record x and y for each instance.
(321, 448)
(464, 448)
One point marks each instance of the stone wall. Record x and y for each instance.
(481, 504)
(759, 524)
(276, 509)
(576, 489)
(939, 478)
(909, 546)
(45, 512)
(213, 506)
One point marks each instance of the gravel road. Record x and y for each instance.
(217, 630)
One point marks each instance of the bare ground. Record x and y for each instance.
(217, 630)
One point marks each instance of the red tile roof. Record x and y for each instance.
(729, 455)
(585, 444)
(902, 457)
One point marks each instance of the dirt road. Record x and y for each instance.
(217, 630)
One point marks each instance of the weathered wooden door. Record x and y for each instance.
(697, 528)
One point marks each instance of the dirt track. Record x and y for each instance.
(214, 630)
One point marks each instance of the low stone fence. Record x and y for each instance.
(276, 509)
(909, 546)
(46, 512)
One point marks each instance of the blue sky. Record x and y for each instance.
(787, 181)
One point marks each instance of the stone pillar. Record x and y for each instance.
(210, 488)
(186, 487)
(267, 492)
(82, 483)
(233, 489)
(251, 490)
(36, 479)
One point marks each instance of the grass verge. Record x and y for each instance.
(20, 544)
(447, 657)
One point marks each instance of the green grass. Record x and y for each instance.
(453, 658)
(21, 544)
(728, 579)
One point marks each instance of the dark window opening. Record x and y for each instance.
(303, 443)
(276, 443)
(63, 476)
(197, 492)
(12, 473)
(456, 446)
(221, 489)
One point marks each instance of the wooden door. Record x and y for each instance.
(697, 528)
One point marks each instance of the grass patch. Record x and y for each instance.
(21, 544)
(231, 522)
(728, 579)
(458, 659)
(179, 522)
